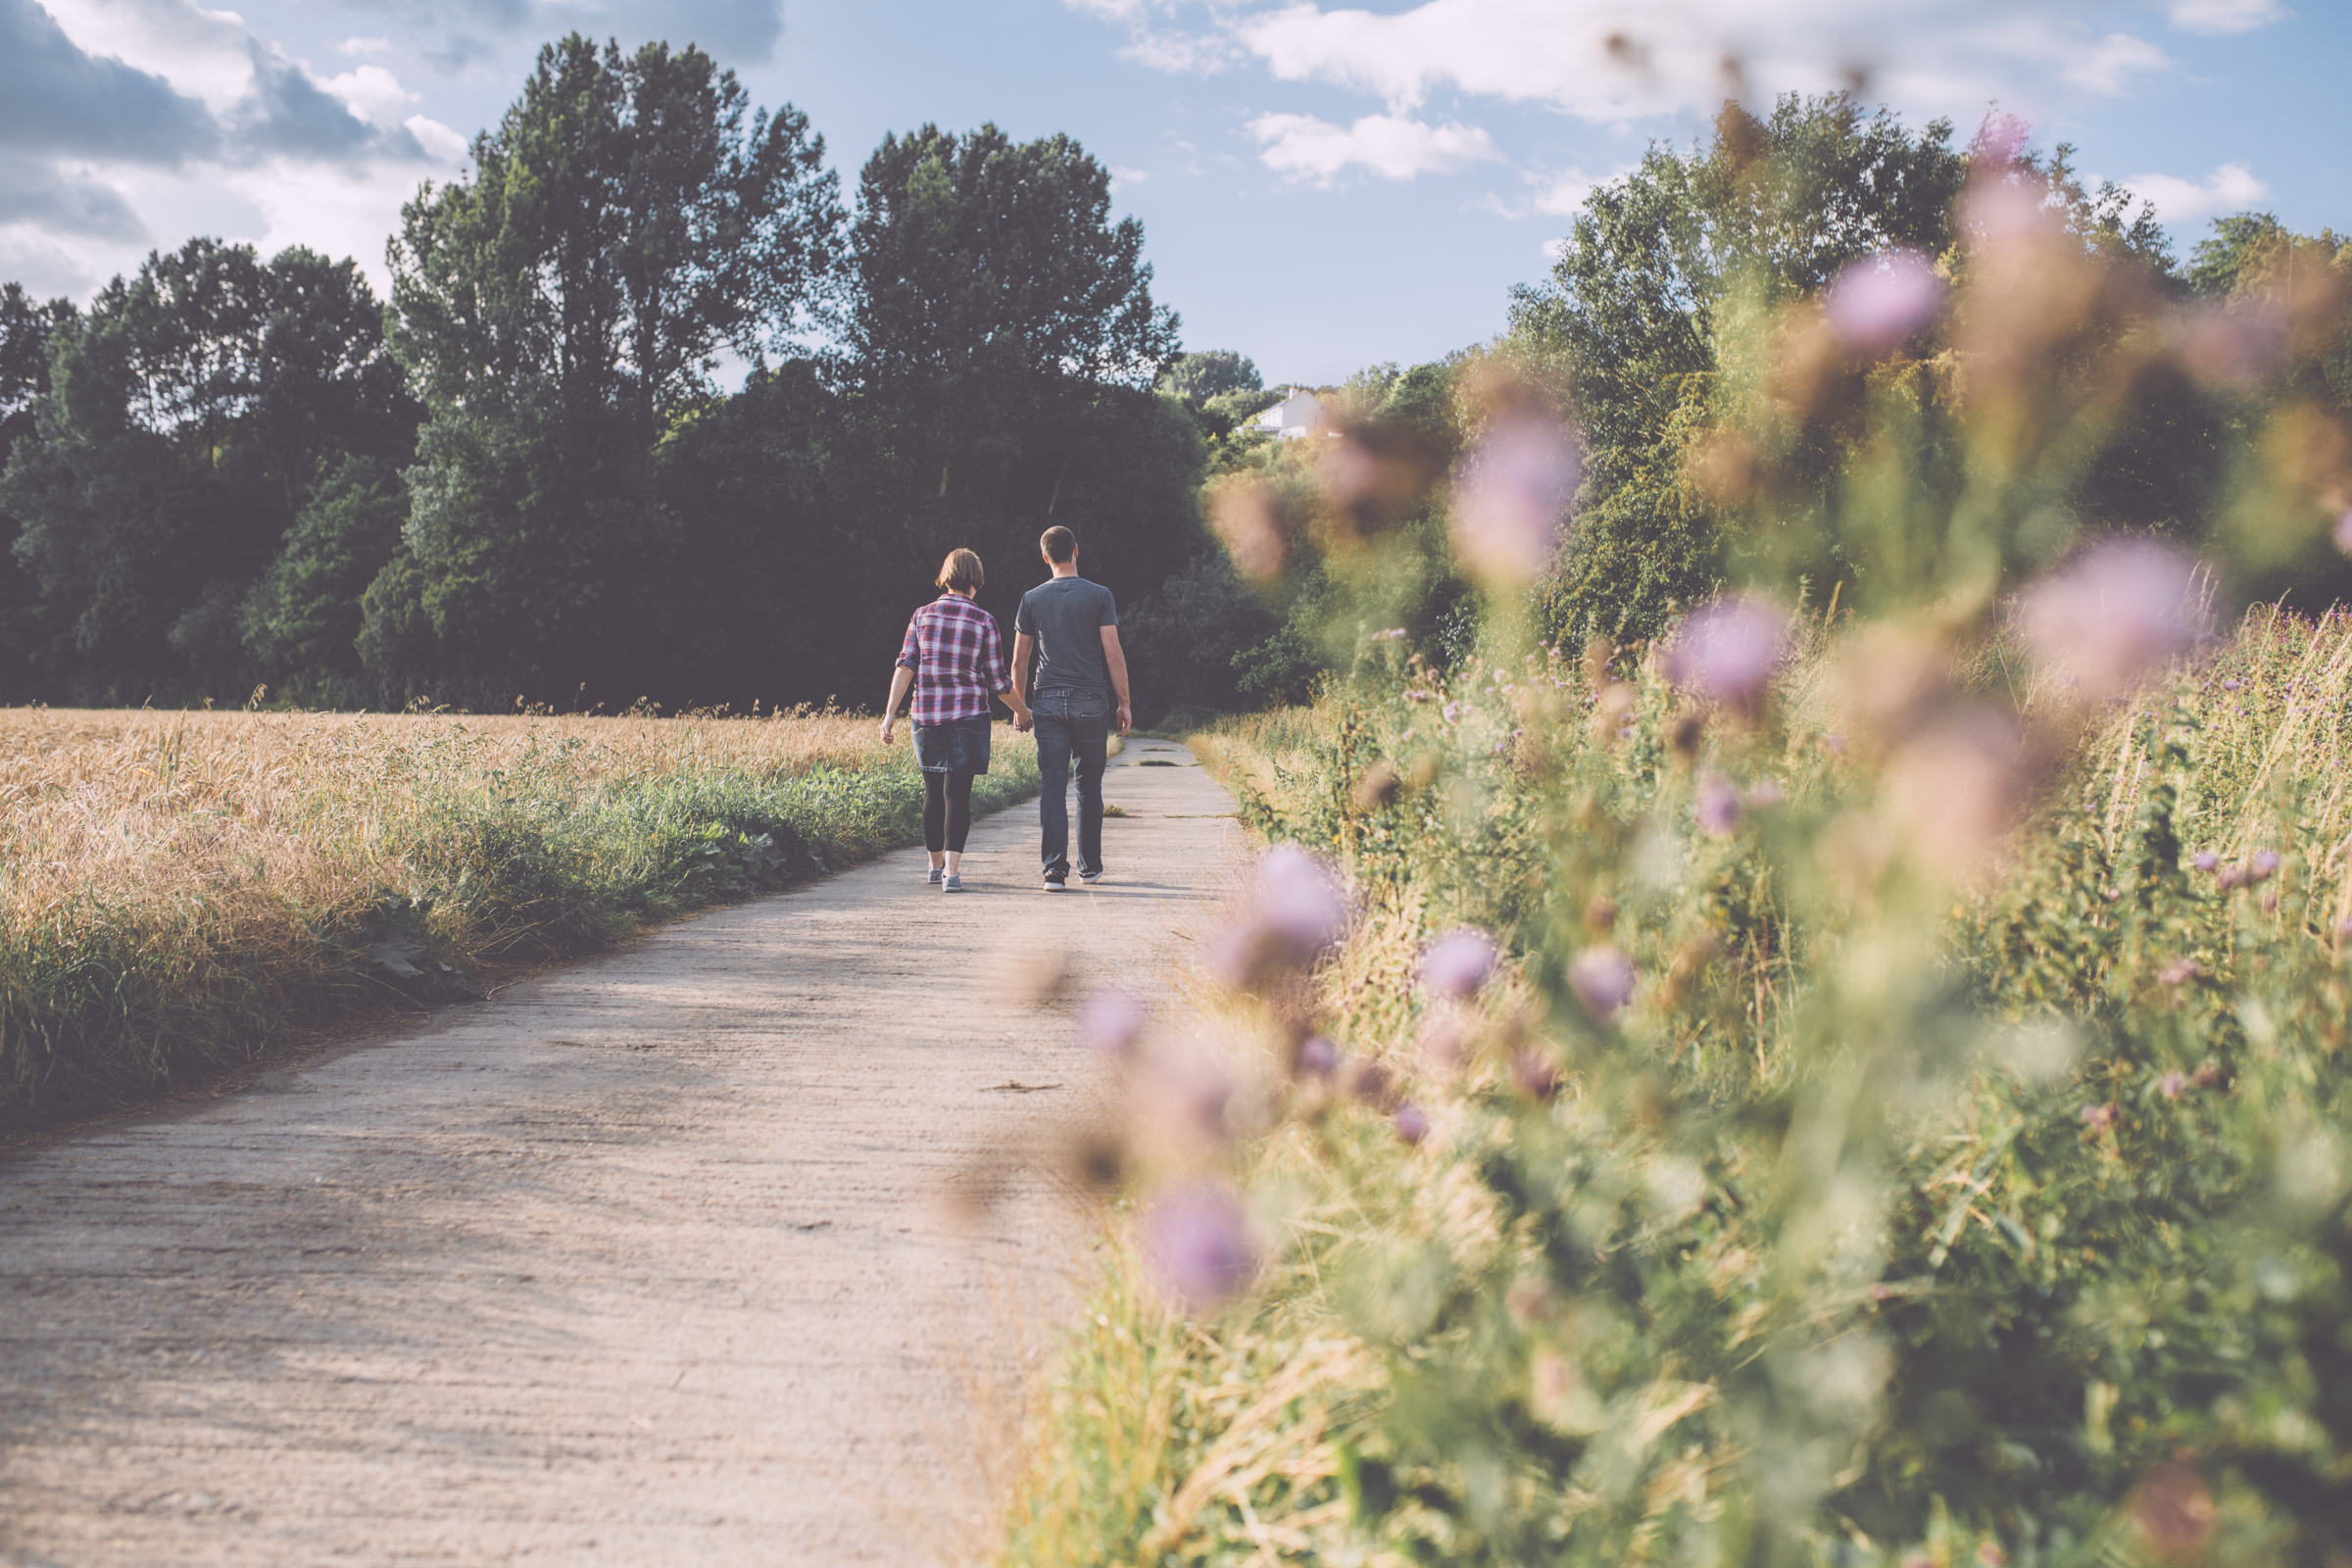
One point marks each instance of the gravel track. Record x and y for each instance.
(647, 1262)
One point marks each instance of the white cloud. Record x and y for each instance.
(1563, 192)
(1394, 148)
(2225, 16)
(1555, 249)
(370, 92)
(2232, 188)
(440, 143)
(2107, 67)
(1614, 61)
(357, 48)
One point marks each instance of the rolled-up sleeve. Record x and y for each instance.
(992, 656)
(910, 651)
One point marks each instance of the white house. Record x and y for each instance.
(1300, 414)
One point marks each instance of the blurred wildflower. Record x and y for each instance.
(1510, 503)
(1603, 978)
(1296, 910)
(1318, 1056)
(2179, 972)
(1727, 650)
(1411, 1122)
(2115, 612)
(2098, 1118)
(2341, 533)
(1456, 965)
(1882, 300)
(1111, 1021)
(1243, 515)
(1198, 1246)
(1534, 1075)
(2205, 860)
(1955, 788)
(2171, 1085)
(2175, 1512)
(1378, 786)
(1367, 1081)
(1717, 807)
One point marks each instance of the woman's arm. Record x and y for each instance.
(900, 677)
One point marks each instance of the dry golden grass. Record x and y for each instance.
(136, 807)
(176, 887)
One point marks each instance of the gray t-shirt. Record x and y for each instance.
(1066, 615)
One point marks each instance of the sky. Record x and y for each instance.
(1323, 186)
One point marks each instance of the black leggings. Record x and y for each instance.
(947, 810)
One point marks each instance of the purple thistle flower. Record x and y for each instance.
(1297, 907)
(2179, 972)
(1717, 807)
(1727, 650)
(2341, 533)
(2265, 862)
(1881, 299)
(1367, 1081)
(2098, 1118)
(1603, 978)
(1319, 1057)
(2117, 611)
(1299, 896)
(1459, 965)
(1510, 504)
(2205, 860)
(1197, 1246)
(1111, 1021)
(1534, 1074)
(1411, 1122)
(2172, 1086)
(2232, 685)
(1453, 711)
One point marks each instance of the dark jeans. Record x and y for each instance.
(1071, 726)
(947, 810)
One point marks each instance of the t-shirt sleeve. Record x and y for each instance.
(1110, 609)
(1024, 623)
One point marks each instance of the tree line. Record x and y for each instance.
(518, 479)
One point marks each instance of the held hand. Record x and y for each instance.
(1126, 719)
(1023, 720)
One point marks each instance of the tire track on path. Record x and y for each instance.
(644, 1262)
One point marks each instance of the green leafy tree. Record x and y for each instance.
(1004, 344)
(27, 327)
(189, 413)
(303, 617)
(627, 218)
(1205, 373)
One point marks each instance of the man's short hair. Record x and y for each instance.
(1058, 544)
(962, 571)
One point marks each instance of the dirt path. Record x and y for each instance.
(644, 1262)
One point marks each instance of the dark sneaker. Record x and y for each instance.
(1054, 884)
(1090, 876)
(939, 873)
(950, 883)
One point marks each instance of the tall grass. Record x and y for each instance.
(178, 889)
(2066, 1267)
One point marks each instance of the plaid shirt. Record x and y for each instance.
(952, 648)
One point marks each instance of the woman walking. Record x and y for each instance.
(953, 658)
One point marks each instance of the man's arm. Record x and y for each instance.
(900, 677)
(1025, 644)
(1114, 657)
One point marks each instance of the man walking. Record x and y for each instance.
(1077, 690)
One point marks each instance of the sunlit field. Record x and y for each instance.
(179, 888)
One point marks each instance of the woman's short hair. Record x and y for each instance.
(962, 573)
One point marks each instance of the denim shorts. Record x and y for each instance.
(959, 746)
